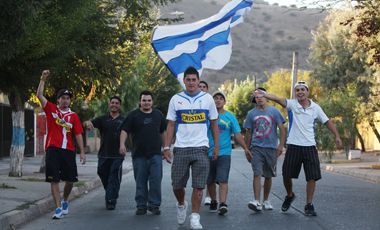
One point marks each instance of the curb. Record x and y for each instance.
(360, 175)
(345, 161)
(10, 220)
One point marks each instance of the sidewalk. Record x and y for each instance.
(23, 199)
(366, 168)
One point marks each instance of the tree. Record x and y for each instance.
(239, 97)
(283, 90)
(339, 60)
(137, 64)
(68, 37)
(77, 40)
(344, 107)
(146, 73)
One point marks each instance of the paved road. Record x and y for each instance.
(342, 202)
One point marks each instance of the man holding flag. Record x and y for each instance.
(190, 111)
(187, 49)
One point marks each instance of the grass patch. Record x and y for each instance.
(79, 184)
(24, 206)
(33, 179)
(6, 186)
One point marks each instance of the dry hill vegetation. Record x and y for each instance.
(263, 43)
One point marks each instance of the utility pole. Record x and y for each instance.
(294, 74)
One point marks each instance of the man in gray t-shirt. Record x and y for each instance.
(261, 124)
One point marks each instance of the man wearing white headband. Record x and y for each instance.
(301, 145)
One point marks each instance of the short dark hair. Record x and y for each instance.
(115, 97)
(146, 92)
(204, 83)
(191, 70)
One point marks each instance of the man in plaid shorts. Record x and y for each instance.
(190, 110)
(303, 113)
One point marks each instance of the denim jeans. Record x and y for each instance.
(110, 173)
(148, 177)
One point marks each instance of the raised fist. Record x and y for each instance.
(45, 74)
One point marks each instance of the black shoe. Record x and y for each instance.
(110, 205)
(309, 210)
(223, 209)
(140, 211)
(214, 206)
(287, 202)
(154, 210)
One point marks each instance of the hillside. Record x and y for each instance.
(263, 43)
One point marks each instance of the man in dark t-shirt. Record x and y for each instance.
(110, 161)
(146, 125)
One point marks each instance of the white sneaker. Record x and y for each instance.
(255, 206)
(207, 200)
(57, 213)
(65, 207)
(194, 221)
(181, 212)
(267, 205)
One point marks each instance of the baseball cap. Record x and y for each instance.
(301, 83)
(219, 93)
(253, 100)
(62, 92)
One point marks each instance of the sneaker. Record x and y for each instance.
(110, 206)
(181, 213)
(255, 206)
(223, 209)
(309, 210)
(213, 206)
(140, 211)
(194, 221)
(65, 207)
(207, 200)
(267, 205)
(58, 213)
(287, 202)
(154, 210)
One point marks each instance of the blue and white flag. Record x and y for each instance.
(202, 44)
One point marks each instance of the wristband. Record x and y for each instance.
(167, 148)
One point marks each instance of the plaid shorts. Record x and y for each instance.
(195, 158)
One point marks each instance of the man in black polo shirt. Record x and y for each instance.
(147, 126)
(110, 161)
